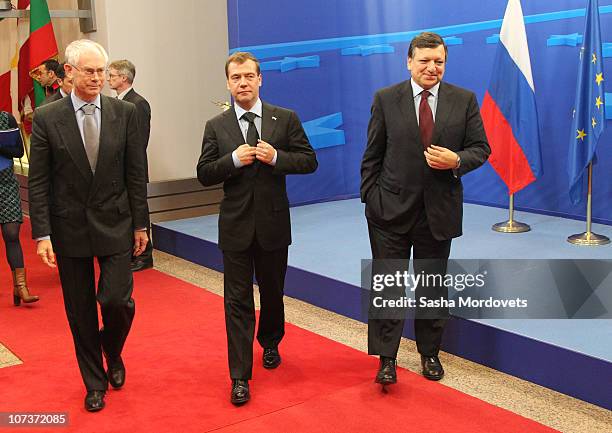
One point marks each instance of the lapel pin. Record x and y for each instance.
(273, 118)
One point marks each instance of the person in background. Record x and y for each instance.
(11, 216)
(64, 83)
(47, 76)
(120, 77)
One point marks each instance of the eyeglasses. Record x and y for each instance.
(110, 75)
(90, 72)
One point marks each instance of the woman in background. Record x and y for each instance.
(10, 213)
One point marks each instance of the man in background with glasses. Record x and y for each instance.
(120, 77)
(87, 190)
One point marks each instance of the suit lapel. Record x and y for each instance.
(106, 147)
(129, 95)
(230, 123)
(68, 129)
(405, 100)
(443, 110)
(268, 122)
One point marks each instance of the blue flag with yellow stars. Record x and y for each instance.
(589, 117)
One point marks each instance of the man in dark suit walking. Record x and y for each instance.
(87, 194)
(423, 135)
(121, 74)
(251, 147)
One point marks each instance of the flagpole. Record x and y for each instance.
(511, 226)
(26, 141)
(26, 150)
(589, 238)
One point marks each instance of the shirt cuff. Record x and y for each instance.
(274, 159)
(236, 160)
(456, 169)
(43, 238)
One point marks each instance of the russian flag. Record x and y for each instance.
(509, 108)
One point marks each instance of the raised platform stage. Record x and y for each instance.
(573, 357)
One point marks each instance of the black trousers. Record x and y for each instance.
(114, 294)
(270, 268)
(384, 334)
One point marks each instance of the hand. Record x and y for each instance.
(246, 154)
(265, 152)
(140, 241)
(45, 250)
(440, 158)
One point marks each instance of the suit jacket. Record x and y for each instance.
(52, 98)
(143, 111)
(86, 214)
(396, 182)
(255, 199)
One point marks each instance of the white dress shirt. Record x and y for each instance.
(244, 127)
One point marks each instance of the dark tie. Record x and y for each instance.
(252, 134)
(426, 122)
(91, 135)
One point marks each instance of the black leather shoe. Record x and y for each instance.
(271, 358)
(116, 372)
(240, 392)
(141, 264)
(386, 372)
(94, 401)
(432, 367)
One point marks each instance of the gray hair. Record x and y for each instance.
(125, 68)
(78, 47)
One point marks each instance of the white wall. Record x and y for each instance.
(179, 49)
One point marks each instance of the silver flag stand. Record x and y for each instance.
(589, 238)
(511, 226)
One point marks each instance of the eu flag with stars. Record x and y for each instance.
(589, 117)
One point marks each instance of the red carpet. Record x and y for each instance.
(177, 379)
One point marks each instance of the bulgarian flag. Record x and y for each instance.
(36, 46)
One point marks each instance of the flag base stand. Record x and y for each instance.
(511, 226)
(588, 239)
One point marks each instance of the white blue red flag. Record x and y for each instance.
(509, 108)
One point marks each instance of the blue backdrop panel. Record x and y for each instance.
(325, 59)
